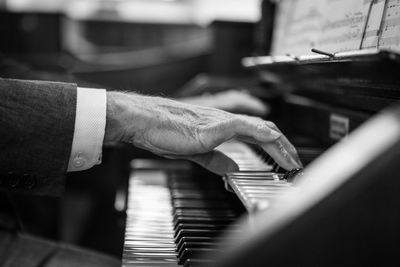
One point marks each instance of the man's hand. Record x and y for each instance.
(237, 101)
(178, 130)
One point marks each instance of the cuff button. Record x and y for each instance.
(79, 162)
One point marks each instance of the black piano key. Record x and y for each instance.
(195, 194)
(291, 175)
(200, 204)
(187, 184)
(204, 226)
(205, 220)
(195, 253)
(205, 213)
(201, 239)
(194, 239)
(194, 245)
(196, 233)
(254, 174)
(215, 216)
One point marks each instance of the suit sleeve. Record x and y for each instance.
(37, 122)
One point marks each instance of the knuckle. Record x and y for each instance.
(206, 137)
(234, 121)
(270, 124)
(263, 126)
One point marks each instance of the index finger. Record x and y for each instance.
(259, 131)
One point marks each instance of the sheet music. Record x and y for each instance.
(344, 24)
(283, 11)
(390, 36)
(299, 24)
(329, 25)
(371, 35)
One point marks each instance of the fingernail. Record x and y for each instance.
(300, 163)
(275, 135)
(233, 168)
(297, 163)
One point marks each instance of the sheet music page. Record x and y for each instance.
(344, 24)
(299, 25)
(390, 36)
(371, 35)
(328, 25)
(284, 11)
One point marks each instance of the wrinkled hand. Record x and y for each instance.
(178, 130)
(237, 101)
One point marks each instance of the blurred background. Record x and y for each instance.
(146, 45)
(172, 48)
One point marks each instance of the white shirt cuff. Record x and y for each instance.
(90, 124)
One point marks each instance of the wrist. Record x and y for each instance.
(128, 114)
(114, 130)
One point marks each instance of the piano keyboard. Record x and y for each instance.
(257, 190)
(149, 228)
(175, 217)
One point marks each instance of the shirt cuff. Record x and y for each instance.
(90, 124)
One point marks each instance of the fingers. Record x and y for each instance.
(288, 147)
(242, 102)
(255, 128)
(216, 162)
(269, 137)
(249, 104)
(281, 155)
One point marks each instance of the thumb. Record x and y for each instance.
(216, 162)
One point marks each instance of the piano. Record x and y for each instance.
(340, 108)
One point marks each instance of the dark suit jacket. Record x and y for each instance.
(37, 121)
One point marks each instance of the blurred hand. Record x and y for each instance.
(236, 101)
(178, 130)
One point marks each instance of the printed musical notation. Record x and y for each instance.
(372, 31)
(298, 25)
(390, 30)
(329, 25)
(343, 25)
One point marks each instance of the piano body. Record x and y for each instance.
(339, 107)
